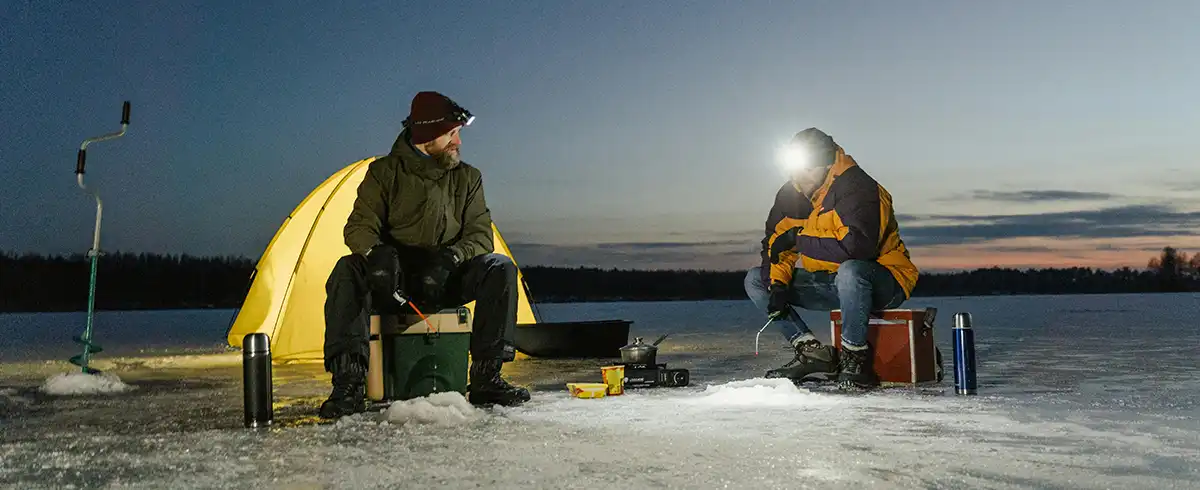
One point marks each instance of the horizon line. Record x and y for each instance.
(77, 255)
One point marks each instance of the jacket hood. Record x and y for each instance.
(413, 161)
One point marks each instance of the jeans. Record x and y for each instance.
(858, 288)
(490, 280)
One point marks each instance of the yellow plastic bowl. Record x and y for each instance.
(587, 390)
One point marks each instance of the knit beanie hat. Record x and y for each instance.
(432, 115)
(822, 147)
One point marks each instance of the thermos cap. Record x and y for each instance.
(962, 320)
(256, 343)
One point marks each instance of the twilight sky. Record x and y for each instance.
(631, 135)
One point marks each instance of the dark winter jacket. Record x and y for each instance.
(408, 199)
(849, 217)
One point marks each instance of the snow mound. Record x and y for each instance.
(760, 392)
(84, 384)
(443, 409)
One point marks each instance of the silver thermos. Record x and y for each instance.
(256, 380)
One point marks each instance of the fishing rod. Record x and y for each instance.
(90, 348)
(770, 318)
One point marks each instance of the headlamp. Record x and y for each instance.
(793, 158)
(461, 115)
(457, 114)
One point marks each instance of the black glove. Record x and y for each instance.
(784, 242)
(433, 283)
(385, 279)
(777, 305)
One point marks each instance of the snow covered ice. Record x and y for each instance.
(1075, 392)
(441, 409)
(84, 384)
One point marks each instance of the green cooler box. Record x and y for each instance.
(419, 360)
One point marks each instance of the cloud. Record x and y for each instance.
(1093, 238)
(1032, 196)
(735, 234)
(1192, 185)
(1021, 249)
(713, 254)
(639, 246)
(1113, 222)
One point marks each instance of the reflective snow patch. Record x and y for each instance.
(438, 409)
(760, 392)
(84, 384)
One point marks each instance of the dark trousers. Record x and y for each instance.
(490, 280)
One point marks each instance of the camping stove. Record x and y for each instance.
(654, 376)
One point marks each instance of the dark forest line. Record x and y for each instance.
(31, 283)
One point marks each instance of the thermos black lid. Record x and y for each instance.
(256, 343)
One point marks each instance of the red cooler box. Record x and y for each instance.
(905, 353)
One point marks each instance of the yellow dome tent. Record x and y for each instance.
(286, 299)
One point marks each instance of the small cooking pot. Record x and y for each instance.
(639, 352)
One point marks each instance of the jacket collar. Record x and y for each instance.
(841, 163)
(413, 161)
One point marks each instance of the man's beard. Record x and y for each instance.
(811, 180)
(447, 157)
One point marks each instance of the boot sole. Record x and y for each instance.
(338, 416)
(492, 403)
(817, 377)
(850, 384)
(487, 402)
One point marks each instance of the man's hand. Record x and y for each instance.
(384, 277)
(438, 273)
(784, 242)
(777, 305)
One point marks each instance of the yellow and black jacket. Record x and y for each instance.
(849, 217)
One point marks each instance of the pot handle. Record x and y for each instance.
(660, 339)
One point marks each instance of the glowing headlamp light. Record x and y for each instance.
(464, 116)
(461, 115)
(793, 158)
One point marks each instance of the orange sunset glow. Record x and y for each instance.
(1045, 252)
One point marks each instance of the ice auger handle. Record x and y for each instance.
(79, 164)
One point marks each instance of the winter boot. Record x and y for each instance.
(349, 387)
(856, 369)
(488, 388)
(813, 362)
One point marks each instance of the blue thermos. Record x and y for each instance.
(964, 355)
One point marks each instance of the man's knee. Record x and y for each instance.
(501, 264)
(857, 268)
(754, 280)
(351, 266)
(855, 272)
(352, 262)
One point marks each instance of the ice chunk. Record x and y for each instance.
(84, 384)
(439, 409)
(761, 392)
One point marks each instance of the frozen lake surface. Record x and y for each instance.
(1075, 392)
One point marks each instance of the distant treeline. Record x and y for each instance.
(123, 282)
(147, 281)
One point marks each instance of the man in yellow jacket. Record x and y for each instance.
(831, 241)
